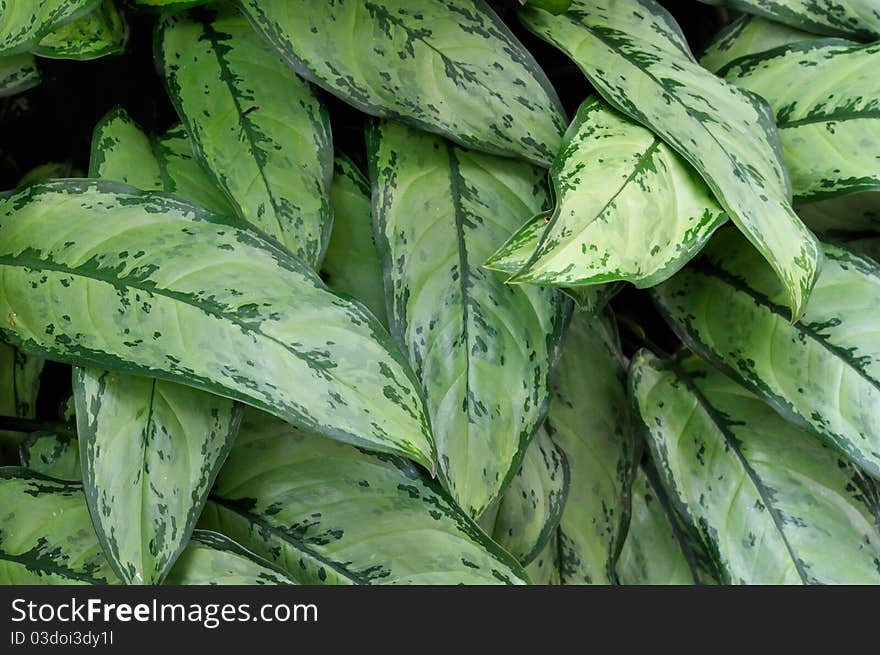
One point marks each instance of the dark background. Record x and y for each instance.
(54, 121)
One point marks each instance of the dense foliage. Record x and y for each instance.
(439, 292)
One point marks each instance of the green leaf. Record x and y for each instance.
(636, 56)
(18, 73)
(26, 22)
(869, 246)
(183, 176)
(774, 505)
(450, 67)
(748, 35)
(122, 151)
(99, 33)
(826, 98)
(627, 208)
(55, 455)
(101, 275)
(854, 18)
(46, 536)
(260, 130)
(657, 550)
(544, 569)
(482, 349)
(553, 6)
(150, 451)
(589, 421)
(822, 373)
(352, 265)
(531, 507)
(47, 171)
(332, 514)
(212, 558)
(168, 5)
(859, 212)
(19, 384)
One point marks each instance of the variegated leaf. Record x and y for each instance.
(173, 281)
(447, 66)
(636, 56)
(657, 550)
(183, 176)
(627, 208)
(773, 504)
(331, 514)
(211, 558)
(260, 130)
(48, 171)
(19, 385)
(822, 373)
(749, 35)
(531, 507)
(482, 349)
(854, 18)
(52, 454)
(122, 151)
(589, 421)
(859, 212)
(352, 264)
(150, 451)
(99, 33)
(24, 22)
(544, 569)
(18, 73)
(826, 97)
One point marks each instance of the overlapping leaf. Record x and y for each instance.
(749, 35)
(854, 18)
(531, 507)
(826, 97)
(635, 55)
(18, 73)
(259, 129)
(99, 33)
(352, 264)
(859, 212)
(482, 349)
(589, 421)
(627, 208)
(19, 385)
(25, 22)
(822, 372)
(122, 151)
(544, 569)
(332, 514)
(448, 66)
(55, 455)
(773, 504)
(101, 275)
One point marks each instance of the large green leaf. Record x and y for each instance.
(19, 384)
(482, 349)
(544, 569)
(102, 275)
(150, 451)
(773, 504)
(18, 73)
(211, 559)
(826, 97)
(122, 151)
(53, 454)
(748, 35)
(99, 33)
(259, 129)
(854, 18)
(636, 56)
(589, 420)
(329, 513)
(447, 66)
(531, 507)
(822, 372)
(657, 550)
(182, 174)
(352, 264)
(24, 22)
(627, 208)
(46, 536)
